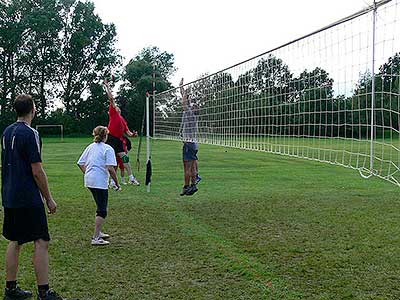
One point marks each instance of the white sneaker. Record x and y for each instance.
(99, 242)
(123, 182)
(112, 185)
(134, 181)
(104, 235)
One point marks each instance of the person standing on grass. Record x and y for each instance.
(97, 162)
(190, 145)
(25, 191)
(118, 127)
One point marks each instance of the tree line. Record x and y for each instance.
(270, 99)
(59, 51)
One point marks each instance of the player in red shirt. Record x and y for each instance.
(118, 128)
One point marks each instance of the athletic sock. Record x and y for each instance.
(42, 290)
(11, 284)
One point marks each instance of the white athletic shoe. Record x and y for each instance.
(99, 242)
(112, 185)
(134, 181)
(104, 235)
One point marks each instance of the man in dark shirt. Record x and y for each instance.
(24, 190)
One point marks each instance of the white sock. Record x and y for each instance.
(131, 177)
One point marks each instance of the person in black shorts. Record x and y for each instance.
(24, 190)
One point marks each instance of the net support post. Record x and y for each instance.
(148, 134)
(371, 163)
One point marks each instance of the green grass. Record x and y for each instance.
(262, 226)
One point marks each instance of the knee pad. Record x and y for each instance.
(102, 213)
(125, 159)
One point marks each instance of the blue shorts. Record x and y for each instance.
(190, 151)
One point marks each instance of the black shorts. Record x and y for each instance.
(115, 143)
(128, 144)
(26, 224)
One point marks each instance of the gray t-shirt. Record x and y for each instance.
(189, 125)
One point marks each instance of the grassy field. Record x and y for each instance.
(262, 226)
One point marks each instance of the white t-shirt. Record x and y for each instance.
(96, 158)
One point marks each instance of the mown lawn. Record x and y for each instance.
(262, 226)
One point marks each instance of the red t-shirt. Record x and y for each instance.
(125, 124)
(117, 124)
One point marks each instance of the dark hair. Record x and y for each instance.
(100, 134)
(23, 105)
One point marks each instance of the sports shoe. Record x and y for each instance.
(112, 185)
(185, 190)
(123, 181)
(99, 242)
(51, 295)
(16, 294)
(133, 181)
(104, 235)
(198, 179)
(192, 189)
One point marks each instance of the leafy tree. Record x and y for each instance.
(138, 77)
(88, 51)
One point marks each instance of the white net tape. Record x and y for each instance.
(311, 98)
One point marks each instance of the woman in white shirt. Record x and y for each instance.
(97, 162)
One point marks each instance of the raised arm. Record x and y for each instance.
(184, 95)
(109, 93)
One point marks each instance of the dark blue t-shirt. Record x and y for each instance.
(20, 147)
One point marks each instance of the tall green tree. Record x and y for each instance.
(138, 76)
(88, 51)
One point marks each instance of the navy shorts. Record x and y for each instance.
(190, 151)
(26, 224)
(100, 196)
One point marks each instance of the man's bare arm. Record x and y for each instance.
(109, 94)
(184, 95)
(41, 180)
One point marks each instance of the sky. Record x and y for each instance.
(209, 35)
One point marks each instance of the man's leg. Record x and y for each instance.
(12, 291)
(192, 175)
(187, 171)
(41, 264)
(41, 261)
(194, 172)
(12, 259)
(127, 166)
(186, 174)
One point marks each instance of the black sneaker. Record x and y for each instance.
(193, 189)
(51, 295)
(185, 190)
(16, 294)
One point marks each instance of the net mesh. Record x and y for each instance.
(311, 98)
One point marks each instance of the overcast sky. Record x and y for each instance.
(210, 35)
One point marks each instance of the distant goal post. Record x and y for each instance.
(61, 128)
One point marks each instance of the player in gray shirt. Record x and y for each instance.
(189, 129)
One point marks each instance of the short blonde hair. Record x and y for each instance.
(100, 134)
